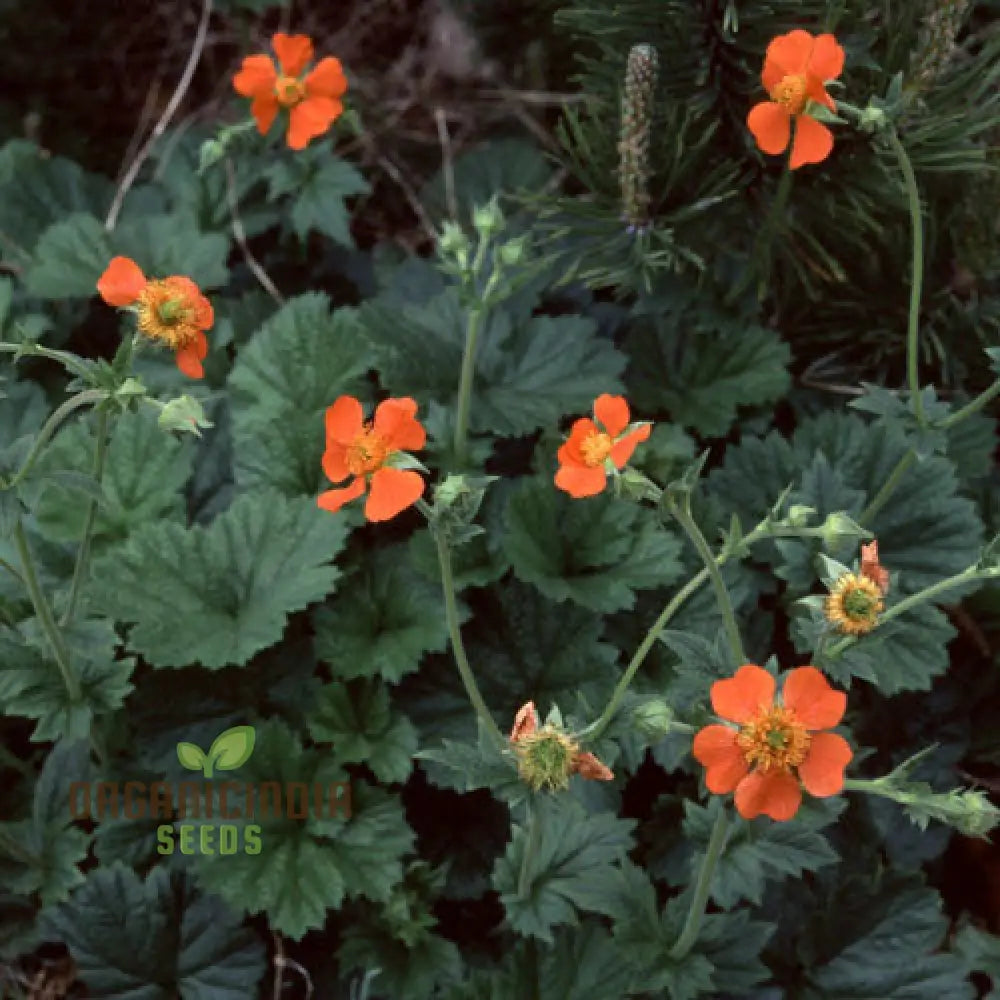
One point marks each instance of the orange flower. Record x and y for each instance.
(796, 66)
(312, 100)
(872, 568)
(547, 756)
(170, 310)
(583, 457)
(364, 450)
(757, 760)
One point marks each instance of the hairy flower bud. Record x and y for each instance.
(653, 718)
(641, 72)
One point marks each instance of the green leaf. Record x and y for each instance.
(232, 748)
(701, 376)
(309, 866)
(23, 409)
(41, 854)
(596, 552)
(908, 925)
(144, 477)
(573, 857)
(69, 258)
(155, 940)
(173, 244)
(358, 720)
(383, 623)
(759, 851)
(980, 952)
(529, 372)
(293, 368)
(231, 585)
(33, 686)
(191, 756)
(320, 182)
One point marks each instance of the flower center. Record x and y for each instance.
(774, 739)
(166, 313)
(859, 604)
(790, 92)
(596, 448)
(545, 758)
(367, 452)
(289, 91)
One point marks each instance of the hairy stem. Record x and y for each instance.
(83, 555)
(45, 616)
(971, 407)
(465, 384)
(689, 933)
(917, 278)
(683, 515)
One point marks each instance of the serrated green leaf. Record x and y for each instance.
(358, 720)
(529, 373)
(163, 245)
(294, 367)
(23, 409)
(383, 623)
(980, 951)
(32, 684)
(596, 552)
(702, 376)
(41, 854)
(308, 867)
(232, 584)
(155, 940)
(573, 856)
(144, 476)
(232, 748)
(69, 258)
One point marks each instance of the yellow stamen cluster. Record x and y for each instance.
(790, 91)
(289, 91)
(546, 758)
(595, 448)
(854, 604)
(774, 739)
(165, 313)
(367, 452)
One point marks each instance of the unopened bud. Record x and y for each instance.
(838, 527)
(653, 718)
(512, 252)
(799, 515)
(183, 414)
(488, 219)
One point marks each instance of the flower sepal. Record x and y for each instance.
(457, 500)
(823, 114)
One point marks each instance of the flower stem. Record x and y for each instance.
(45, 616)
(917, 278)
(50, 427)
(888, 487)
(689, 933)
(454, 630)
(465, 383)
(83, 555)
(530, 850)
(683, 515)
(971, 407)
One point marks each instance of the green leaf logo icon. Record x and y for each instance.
(229, 751)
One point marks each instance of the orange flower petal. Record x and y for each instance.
(716, 749)
(392, 491)
(326, 79)
(344, 420)
(809, 695)
(741, 696)
(335, 462)
(588, 766)
(612, 412)
(816, 90)
(872, 568)
(771, 75)
(189, 362)
(310, 119)
(827, 58)
(264, 110)
(294, 52)
(771, 126)
(525, 722)
(122, 282)
(569, 452)
(622, 450)
(812, 143)
(256, 77)
(771, 793)
(395, 421)
(822, 771)
(579, 481)
(333, 500)
(791, 52)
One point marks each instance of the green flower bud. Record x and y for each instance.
(488, 219)
(512, 252)
(183, 414)
(653, 718)
(838, 527)
(799, 515)
(211, 152)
